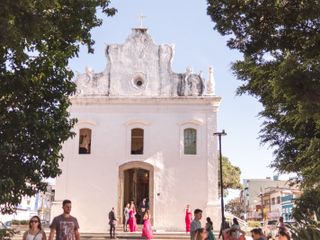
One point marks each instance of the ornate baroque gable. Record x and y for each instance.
(139, 67)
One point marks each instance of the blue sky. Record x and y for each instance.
(190, 29)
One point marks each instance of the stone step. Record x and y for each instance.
(125, 235)
(136, 235)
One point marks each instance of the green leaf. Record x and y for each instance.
(37, 40)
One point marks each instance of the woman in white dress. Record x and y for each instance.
(35, 231)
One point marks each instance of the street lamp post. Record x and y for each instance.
(219, 134)
(262, 207)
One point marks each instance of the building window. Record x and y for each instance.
(190, 141)
(137, 141)
(85, 141)
(138, 82)
(273, 201)
(278, 200)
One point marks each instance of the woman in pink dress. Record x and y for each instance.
(147, 228)
(188, 218)
(132, 218)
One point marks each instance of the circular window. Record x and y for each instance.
(138, 82)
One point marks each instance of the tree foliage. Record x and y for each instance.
(235, 207)
(37, 38)
(6, 233)
(302, 231)
(280, 42)
(230, 174)
(307, 210)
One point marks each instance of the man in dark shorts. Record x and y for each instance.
(64, 226)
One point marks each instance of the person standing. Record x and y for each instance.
(132, 218)
(35, 231)
(143, 208)
(236, 226)
(147, 228)
(224, 225)
(112, 223)
(195, 224)
(65, 226)
(188, 218)
(126, 217)
(209, 229)
(281, 226)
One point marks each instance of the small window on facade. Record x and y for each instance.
(273, 201)
(137, 141)
(190, 141)
(278, 200)
(85, 141)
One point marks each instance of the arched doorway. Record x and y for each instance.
(136, 188)
(135, 183)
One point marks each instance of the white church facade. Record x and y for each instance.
(143, 131)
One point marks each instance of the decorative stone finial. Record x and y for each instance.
(211, 82)
(89, 73)
(189, 70)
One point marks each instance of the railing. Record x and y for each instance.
(287, 198)
(230, 217)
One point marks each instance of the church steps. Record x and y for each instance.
(125, 235)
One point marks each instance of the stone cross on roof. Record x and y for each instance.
(141, 17)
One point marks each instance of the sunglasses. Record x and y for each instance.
(34, 221)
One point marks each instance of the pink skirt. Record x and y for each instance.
(147, 229)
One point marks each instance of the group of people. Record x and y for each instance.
(130, 215)
(282, 234)
(130, 219)
(227, 232)
(257, 234)
(64, 226)
(232, 232)
(197, 232)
